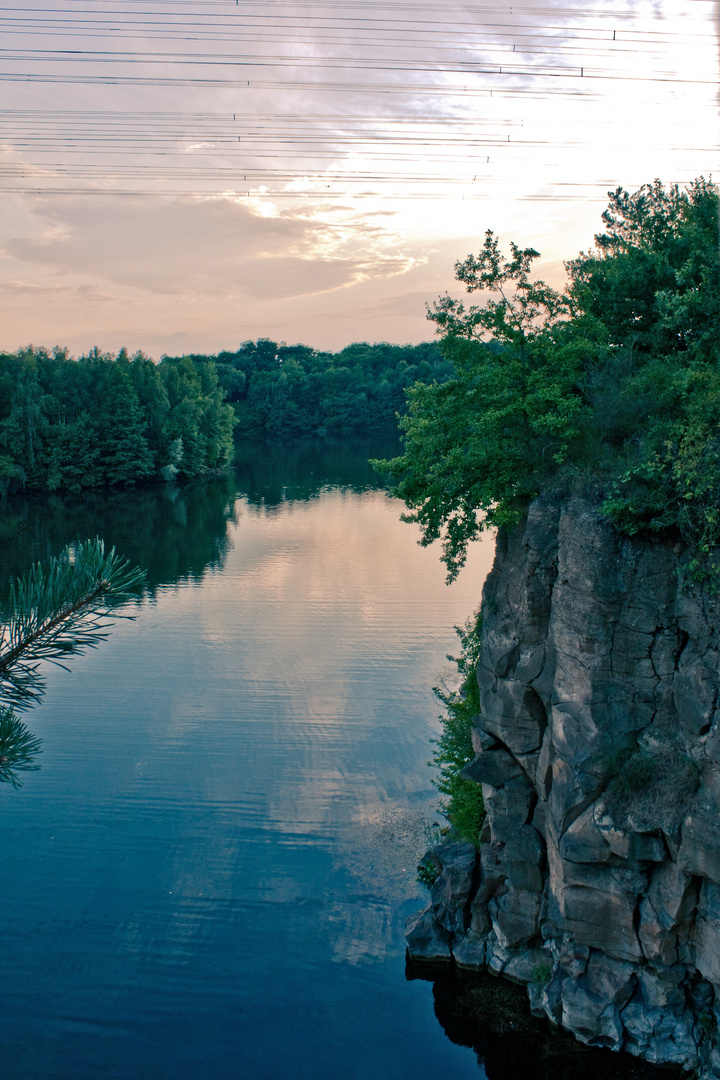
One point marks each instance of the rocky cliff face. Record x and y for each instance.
(598, 751)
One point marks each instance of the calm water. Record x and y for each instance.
(209, 876)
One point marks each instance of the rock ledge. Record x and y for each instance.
(598, 880)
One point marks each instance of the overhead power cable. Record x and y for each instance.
(384, 56)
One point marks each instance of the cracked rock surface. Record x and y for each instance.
(598, 882)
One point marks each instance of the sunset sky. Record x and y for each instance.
(184, 175)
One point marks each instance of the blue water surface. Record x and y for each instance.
(209, 875)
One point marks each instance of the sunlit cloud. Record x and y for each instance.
(212, 246)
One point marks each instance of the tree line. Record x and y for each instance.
(105, 420)
(293, 391)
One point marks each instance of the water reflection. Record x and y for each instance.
(303, 469)
(493, 1017)
(175, 532)
(171, 532)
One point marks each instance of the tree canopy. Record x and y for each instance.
(615, 382)
(103, 421)
(281, 391)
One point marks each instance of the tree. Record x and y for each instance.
(614, 381)
(23, 431)
(477, 446)
(125, 456)
(53, 614)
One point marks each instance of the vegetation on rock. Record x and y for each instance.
(652, 789)
(463, 803)
(614, 382)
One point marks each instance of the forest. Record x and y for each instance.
(104, 421)
(290, 391)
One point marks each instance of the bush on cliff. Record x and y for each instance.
(615, 380)
(652, 790)
(463, 803)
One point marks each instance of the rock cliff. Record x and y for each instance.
(598, 750)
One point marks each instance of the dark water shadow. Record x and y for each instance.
(492, 1016)
(271, 474)
(172, 532)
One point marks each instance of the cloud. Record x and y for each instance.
(216, 247)
(74, 292)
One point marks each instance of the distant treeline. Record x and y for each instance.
(288, 391)
(102, 420)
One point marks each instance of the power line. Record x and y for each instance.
(121, 143)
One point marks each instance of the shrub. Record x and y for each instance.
(652, 790)
(542, 973)
(463, 805)
(427, 874)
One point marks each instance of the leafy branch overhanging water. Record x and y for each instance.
(612, 386)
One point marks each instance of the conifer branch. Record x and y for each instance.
(18, 747)
(58, 613)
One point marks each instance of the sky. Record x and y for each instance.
(185, 175)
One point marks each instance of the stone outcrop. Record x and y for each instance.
(597, 884)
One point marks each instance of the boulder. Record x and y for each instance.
(492, 767)
(707, 932)
(667, 913)
(451, 891)
(509, 807)
(595, 905)
(470, 951)
(523, 860)
(514, 916)
(425, 938)
(699, 853)
(515, 714)
(695, 694)
(592, 1003)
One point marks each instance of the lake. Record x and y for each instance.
(209, 876)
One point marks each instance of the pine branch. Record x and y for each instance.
(18, 748)
(58, 613)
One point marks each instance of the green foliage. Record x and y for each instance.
(102, 422)
(542, 973)
(463, 804)
(617, 379)
(57, 612)
(18, 748)
(53, 614)
(427, 874)
(287, 392)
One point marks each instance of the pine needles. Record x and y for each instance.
(53, 614)
(18, 747)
